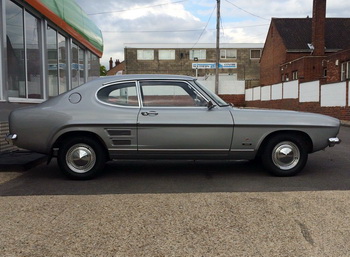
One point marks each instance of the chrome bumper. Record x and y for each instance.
(10, 138)
(333, 141)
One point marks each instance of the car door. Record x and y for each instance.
(118, 117)
(175, 121)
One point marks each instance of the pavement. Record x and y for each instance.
(20, 160)
(166, 210)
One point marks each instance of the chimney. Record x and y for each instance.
(318, 26)
(117, 62)
(110, 63)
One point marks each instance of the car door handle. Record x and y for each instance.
(150, 113)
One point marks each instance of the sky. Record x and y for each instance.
(124, 22)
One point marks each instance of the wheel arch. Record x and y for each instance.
(76, 134)
(305, 137)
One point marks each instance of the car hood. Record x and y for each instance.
(247, 116)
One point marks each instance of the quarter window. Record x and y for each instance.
(170, 94)
(121, 94)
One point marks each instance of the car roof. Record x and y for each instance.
(116, 78)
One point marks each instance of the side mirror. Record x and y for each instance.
(210, 105)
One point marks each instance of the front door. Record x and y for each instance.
(175, 121)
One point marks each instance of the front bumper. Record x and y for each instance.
(10, 138)
(333, 141)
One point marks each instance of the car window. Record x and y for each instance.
(170, 94)
(120, 94)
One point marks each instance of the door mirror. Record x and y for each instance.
(210, 105)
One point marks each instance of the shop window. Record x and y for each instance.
(81, 59)
(16, 77)
(75, 65)
(166, 54)
(200, 54)
(52, 61)
(145, 54)
(62, 63)
(93, 66)
(255, 54)
(228, 54)
(23, 40)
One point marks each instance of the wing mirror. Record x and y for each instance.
(210, 105)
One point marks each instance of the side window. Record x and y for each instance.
(170, 94)
(120, 94)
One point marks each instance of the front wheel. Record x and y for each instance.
(81, 158)
(285, 155)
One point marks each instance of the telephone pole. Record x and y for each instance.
(217, 47)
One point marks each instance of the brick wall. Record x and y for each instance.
(236, 100)
(247, 68)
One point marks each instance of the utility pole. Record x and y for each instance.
(217, 47)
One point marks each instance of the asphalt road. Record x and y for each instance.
(162, 208)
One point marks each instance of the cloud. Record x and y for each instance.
(176, 21)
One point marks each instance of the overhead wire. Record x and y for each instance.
(206, 25)
(246, 11)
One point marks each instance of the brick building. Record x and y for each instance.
(305, 65)
(117, 69)
(239, 62)
(302, 48)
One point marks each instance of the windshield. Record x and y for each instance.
(216, 98)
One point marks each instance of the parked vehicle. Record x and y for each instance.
(164, 117)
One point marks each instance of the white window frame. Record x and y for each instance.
(145, 54)
(166, 54)
(201, 54)
(224, 54)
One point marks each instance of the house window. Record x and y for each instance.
(228, 53)
(345, 71)
(295, 75)
(145, 54)
(166, 54)
(255, 54)
(200, 54)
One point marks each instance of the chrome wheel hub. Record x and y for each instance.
(80, 158)
(286, 155)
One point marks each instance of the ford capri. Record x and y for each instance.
(164, 117)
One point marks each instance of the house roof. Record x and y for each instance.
(297, 33)
(115, 69)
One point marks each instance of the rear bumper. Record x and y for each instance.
(333, 141)
(10, 138)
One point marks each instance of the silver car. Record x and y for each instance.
(164, 117)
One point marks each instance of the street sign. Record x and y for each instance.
(211, 65)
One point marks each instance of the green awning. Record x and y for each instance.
(74, 16)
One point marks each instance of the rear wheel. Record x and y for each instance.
(285, 155)
(81, 158)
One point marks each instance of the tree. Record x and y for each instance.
(103, 70)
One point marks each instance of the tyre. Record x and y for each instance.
(81, 158)
(285, 155)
